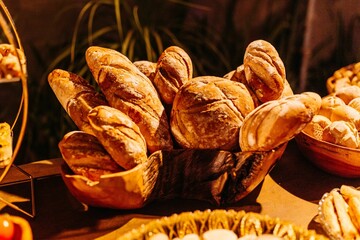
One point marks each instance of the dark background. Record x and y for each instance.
(313, 38)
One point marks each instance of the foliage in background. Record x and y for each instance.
(143, 29)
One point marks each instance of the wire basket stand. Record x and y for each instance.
(12, 37)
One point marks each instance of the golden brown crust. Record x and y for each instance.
(348, 93)
(130, 91)
(173, 69)
(85, 155)
(260, 130)
(345, 113)
(316, 127)
(341, 133)
(76, 95)
(238, 75)
(147, 68)
(119, 135)
(208, 112)
(264, 70)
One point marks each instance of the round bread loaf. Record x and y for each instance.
(348, 93)
(316, 127)
(208, 112)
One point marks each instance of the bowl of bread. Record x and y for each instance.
(331, 140)
(339, 213)
(220, 224)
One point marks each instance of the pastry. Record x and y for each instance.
(12, 62)
(208, 112)
(76, 95)
(342, 133)
(264, 70)
(261, 129)
(85, 155)
(119, 135)
(130, 91)
(173, 69)
(347, 226)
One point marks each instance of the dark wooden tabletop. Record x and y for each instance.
(291, 192)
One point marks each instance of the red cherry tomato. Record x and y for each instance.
(7, 229)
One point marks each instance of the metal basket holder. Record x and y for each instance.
(9, 31)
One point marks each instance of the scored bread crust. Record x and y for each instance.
(130, 91)
(119, 135)
(76, 95)
(278, 121)
(85, 155)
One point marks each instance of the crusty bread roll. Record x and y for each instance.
(119, 135)
(316, 127)
(264, 70)
(348, 93)
(6, 144)
(278, 121)
(173, 69)
(130, 91)
(355, 103)
(346, 113)
(208, 112)
(76, 95)
(85, 155)
(238, 75)
(341, 133)
(147, 68)
(328, 103)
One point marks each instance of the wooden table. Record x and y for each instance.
(290, 192)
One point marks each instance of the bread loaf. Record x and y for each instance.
(147, 68)
(278, 121)
(119, 135)
(173, 69)
(208, 112)
(130, 91)
(76, 95)
(85, 155)
(264, 70)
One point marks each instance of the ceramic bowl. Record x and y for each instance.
(334, 159)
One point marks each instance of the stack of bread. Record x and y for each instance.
(143, 108)
(338, 120)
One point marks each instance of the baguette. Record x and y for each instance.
(85, 155)
(130, 91)
(119, 135)
(347, 226)
(76, 96)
